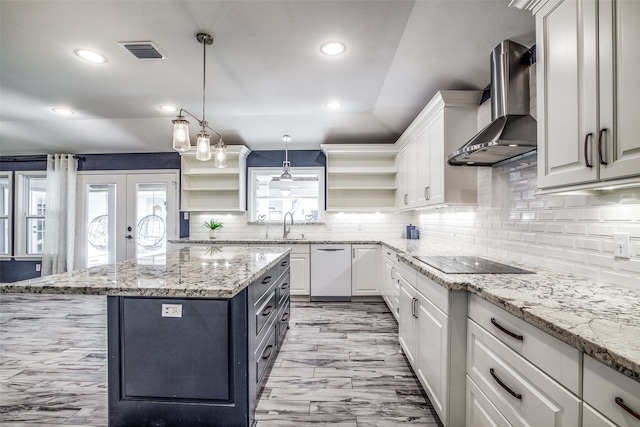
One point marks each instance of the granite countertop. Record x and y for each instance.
(601, 320)
(198, 271)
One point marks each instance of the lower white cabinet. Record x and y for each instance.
(300, 270)
(389, 288)
(614, 396)
(432, 335)
(365, 262)
(593, 418)
(480, 410)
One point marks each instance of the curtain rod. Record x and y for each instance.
(42, 158)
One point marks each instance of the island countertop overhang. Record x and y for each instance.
(190, 272)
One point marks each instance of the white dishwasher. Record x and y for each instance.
(331, 272)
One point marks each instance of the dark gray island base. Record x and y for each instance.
(191, 336)
(195, 361)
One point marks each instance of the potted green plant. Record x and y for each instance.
(213, 227)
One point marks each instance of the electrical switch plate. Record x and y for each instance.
(621, 245)
(186, 215)
(171, 310)
(38, 266)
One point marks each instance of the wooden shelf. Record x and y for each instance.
(361, 177)
(209, 189)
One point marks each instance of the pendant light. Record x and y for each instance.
(286, 165)
(181, 140)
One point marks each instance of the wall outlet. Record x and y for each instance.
(171, 310)
(185, 215)
(38, 267)
(621, 245)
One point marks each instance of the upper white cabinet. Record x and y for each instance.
(424, 177)
(360, 177)
(206, 188)
(588, 88)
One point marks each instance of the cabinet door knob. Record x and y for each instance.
(505, 330)
(600, 156)
(504, 386)
(621, 404)
(586, 152)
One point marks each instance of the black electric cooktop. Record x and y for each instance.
(469, 265)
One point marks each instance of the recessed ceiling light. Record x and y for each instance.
(90, 56)
(333, 48)
(333, 105)
(63, 111)
(168, 108)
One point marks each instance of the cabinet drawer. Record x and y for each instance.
(262, 284)
(265, 310)
(522, 393)
(602, 385)
(558, 359)
(438, 295)
(265, 354)
(283, 288)
(593, 418)
(480, 410)
(390, 255)
(284, 314)
(283, 265)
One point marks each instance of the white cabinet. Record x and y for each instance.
(390, 289)
(588, 88)
(480, 410)
(366, 260)
(424, 177)
(611, 394)
(360, 177)
(206, 188)
(300, 270)
(432, 333)
(505, 362)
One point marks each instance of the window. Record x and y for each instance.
(32, 192)
(270, 198)
(5, 212)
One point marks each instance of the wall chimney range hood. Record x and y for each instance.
(512, 131)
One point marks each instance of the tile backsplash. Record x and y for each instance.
(568, 233)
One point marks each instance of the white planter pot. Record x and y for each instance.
(213, 234)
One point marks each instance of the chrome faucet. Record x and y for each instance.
(285, 230)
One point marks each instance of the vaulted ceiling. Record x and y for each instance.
(265, 73)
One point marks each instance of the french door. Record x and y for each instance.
(125, 215)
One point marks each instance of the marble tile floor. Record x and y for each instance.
(340, 366)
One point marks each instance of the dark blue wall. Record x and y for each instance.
(298, 158)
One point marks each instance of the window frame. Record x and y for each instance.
(21, 209)
(9, 216)
(251, 193)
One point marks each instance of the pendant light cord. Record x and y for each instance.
(204, 78)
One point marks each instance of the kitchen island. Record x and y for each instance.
(191, 336)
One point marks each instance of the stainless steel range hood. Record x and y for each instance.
(512, 131)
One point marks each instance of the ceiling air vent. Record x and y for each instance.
(142, 50)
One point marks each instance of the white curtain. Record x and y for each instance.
(60, 214)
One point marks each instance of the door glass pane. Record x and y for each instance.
(4, 236)
(5, 200)
(37, 195)
(35, 235)
(101, 207)
(151, 216)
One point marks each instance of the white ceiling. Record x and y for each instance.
(265, 74)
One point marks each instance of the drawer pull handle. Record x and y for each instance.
(284, 286)
(506, 331)
(600, 157)
(284, 317)
(504, 386)
(284, 263)
(621, 404)
(586, 153)
(266, 280)
(266, 355)
(267, 311)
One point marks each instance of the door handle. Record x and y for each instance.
(586, 154)
(129, 236)
(600, 157)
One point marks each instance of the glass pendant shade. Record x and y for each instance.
(203, 147)
(181, 141)
(286, 174)
(220, 155)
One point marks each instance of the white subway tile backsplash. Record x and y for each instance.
(568, 233)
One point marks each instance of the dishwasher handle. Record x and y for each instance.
(330, 250)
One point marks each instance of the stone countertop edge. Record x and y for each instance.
(524, 310)
(100, 280)
(276, 242)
